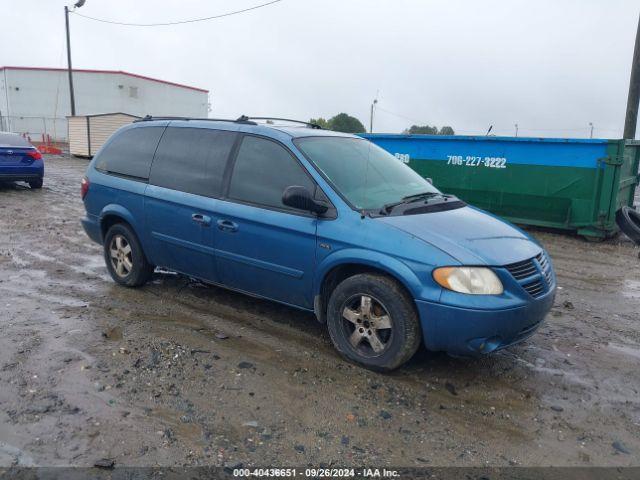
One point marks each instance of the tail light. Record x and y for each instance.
(84, 187)
(35, 154)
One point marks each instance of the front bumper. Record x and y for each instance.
(472, 331)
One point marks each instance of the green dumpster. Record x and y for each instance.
(569, 184)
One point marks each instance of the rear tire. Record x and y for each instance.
(124, 257)
(372, 321)
(35, 184)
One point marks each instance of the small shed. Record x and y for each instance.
(87, 133)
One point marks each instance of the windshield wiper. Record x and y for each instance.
(386, 209)
(418, 196)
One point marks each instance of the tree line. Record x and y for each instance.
(346, 123)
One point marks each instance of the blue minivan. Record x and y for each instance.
(321, 221)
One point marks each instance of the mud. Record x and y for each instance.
(177, 373)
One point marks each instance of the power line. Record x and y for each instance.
(555, 129)
(398, 115)
(520, 127)
(416, 122)
(179, 22)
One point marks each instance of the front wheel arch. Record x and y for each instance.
(340, 272)
(380, 341)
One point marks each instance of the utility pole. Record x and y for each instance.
(631, 117)
(69, 67)
(78, 4)
(591, 134)
(373, 106)
(516, 129)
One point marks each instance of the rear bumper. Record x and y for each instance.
(17, 173)
(472, 332)
(19, 178)
(91, 226)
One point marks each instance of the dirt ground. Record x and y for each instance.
(177, 373)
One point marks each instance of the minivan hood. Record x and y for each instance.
(469, 235)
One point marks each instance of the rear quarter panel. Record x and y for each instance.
(112, 195)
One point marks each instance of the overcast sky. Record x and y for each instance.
(551, 66)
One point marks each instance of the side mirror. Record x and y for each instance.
(430, 180)
(300, 198)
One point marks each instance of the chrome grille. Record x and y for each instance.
(523, 269)
(535, 288)
(534, 275)
(545, 266)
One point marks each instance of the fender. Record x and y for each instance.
(394, 267)
(120, 211)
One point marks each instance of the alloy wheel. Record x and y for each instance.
(121, 256)
(367, 325)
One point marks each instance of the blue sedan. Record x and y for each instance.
(20, 161)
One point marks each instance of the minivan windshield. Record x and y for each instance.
(367, 176)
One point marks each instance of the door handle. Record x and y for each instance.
(203, 220)
(227, 226)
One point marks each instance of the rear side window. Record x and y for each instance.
(192, 160)
(130, 152)
(262, 170)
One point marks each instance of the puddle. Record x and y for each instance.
(631, 289)
(187, 432)
(48, 298)
(626, 349)
(41, 257)
(19, 261)
(92, 265)
(10, 454)
(28, 276)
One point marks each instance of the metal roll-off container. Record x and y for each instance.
(563, 183)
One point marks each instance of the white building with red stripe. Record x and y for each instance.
(35, 100)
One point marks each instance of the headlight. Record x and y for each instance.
(472, 280)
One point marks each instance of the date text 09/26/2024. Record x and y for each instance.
(316, 472)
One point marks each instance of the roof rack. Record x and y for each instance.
(308, 124)
(242, 119)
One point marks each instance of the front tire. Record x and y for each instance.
(372, 321)
(124, 257)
